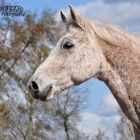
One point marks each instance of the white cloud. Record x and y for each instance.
(108, 106)
(106, 117)
(118, 1)
(125, 14)
(92, 122)
(15, 93)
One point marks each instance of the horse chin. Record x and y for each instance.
(47, 95)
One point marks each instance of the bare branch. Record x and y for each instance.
(15, 61)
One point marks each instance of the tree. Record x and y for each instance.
(68, 106)
(22, 49)
(101, 135)
(23, 46)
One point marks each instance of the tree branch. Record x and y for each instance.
(15, 61)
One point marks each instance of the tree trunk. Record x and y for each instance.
(136, 133)
(66, 129)
(1, 137)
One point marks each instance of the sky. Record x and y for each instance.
(52, 4)
(121, 13)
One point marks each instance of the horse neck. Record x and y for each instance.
(122, 76)
(124, 59)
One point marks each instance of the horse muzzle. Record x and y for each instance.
(37, 93)
(45, 88)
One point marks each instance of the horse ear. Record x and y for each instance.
(63, 17)
(76, 17)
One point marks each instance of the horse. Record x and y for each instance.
(90, 49)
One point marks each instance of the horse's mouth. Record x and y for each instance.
(47, 95)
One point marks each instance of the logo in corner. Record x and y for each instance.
(12, 10)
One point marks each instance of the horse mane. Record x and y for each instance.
(114, 36)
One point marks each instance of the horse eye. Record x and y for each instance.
(68, 45)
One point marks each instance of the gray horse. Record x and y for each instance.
(92, 49)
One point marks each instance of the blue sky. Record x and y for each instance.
(121, 13)
(97, 90)
(117, 12)
(52, 4)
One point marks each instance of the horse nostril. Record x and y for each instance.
(34, 89)
(34, 86)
